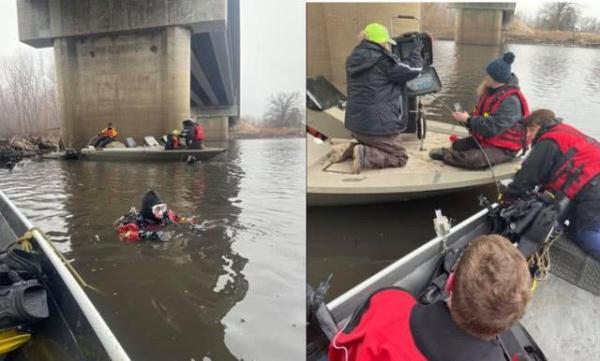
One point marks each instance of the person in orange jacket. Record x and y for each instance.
(105, 136)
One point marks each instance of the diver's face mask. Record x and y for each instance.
(159, 210)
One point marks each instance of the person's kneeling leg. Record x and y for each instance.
(589, 240)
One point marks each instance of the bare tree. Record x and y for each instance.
(559, 16)
(27, 94)
(283, 110)
(589, 25)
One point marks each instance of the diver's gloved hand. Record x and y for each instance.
(418, 44)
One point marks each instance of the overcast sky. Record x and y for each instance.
(272, 48)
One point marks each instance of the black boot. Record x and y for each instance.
(17, 264)
(437, 154)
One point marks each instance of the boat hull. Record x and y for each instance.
(149, 154)
(558, 311)
(75, 330)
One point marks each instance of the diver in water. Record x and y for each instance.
(149, 222)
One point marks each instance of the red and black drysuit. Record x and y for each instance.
(392, 326)
(497, 123)
(563, 159)
(142, 225)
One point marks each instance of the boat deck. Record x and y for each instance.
(421, 177)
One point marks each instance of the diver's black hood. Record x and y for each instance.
(151, 198)
(364, 56)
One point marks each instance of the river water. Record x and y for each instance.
(354, 242)
(233, 290)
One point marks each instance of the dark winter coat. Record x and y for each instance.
(376, 89)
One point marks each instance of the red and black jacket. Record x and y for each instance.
(513, 138)
(580, 162)
(198, 132)
(392, 326)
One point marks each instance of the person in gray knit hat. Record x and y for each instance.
(495, 125)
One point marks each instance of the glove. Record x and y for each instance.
(418, 44)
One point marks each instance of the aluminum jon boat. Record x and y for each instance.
(562, 318)
(75, 330)
(145, 153)
(331, 185)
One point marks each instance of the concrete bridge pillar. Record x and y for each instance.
(139, 81)
(140, 65)
(481, 23)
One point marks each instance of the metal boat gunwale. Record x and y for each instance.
(108, 340)
(430, 249)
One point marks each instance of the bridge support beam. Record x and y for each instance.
(139, 81)
(216, 128)
(481, 23)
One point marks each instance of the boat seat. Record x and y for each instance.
(151, 141)
(130, 143)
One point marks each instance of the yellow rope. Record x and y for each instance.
(28, 236)
(541, 259)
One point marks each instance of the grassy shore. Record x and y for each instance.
(245, 130)
(520, 33)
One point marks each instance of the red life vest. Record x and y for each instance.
(580, 162)
(380, 336)
(514, 138)
(198, 132)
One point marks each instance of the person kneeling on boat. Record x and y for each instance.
(146, 224)
(374, 110)
(173, 140)
(566, 162)
(496, 125)
(489, 291)
(105, 136)
(193, 133)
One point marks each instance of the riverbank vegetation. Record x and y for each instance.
(555, 23)
(28, 104)
(284, 118)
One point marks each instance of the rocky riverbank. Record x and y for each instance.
(15, 148)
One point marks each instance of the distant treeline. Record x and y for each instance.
(28, 101)
(284, 110)
(438, 19)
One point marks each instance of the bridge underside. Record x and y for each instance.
(143, 67)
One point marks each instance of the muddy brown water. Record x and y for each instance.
(232, 290)
(355, 242)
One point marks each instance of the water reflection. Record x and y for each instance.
(355, 242)
(179, 300)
